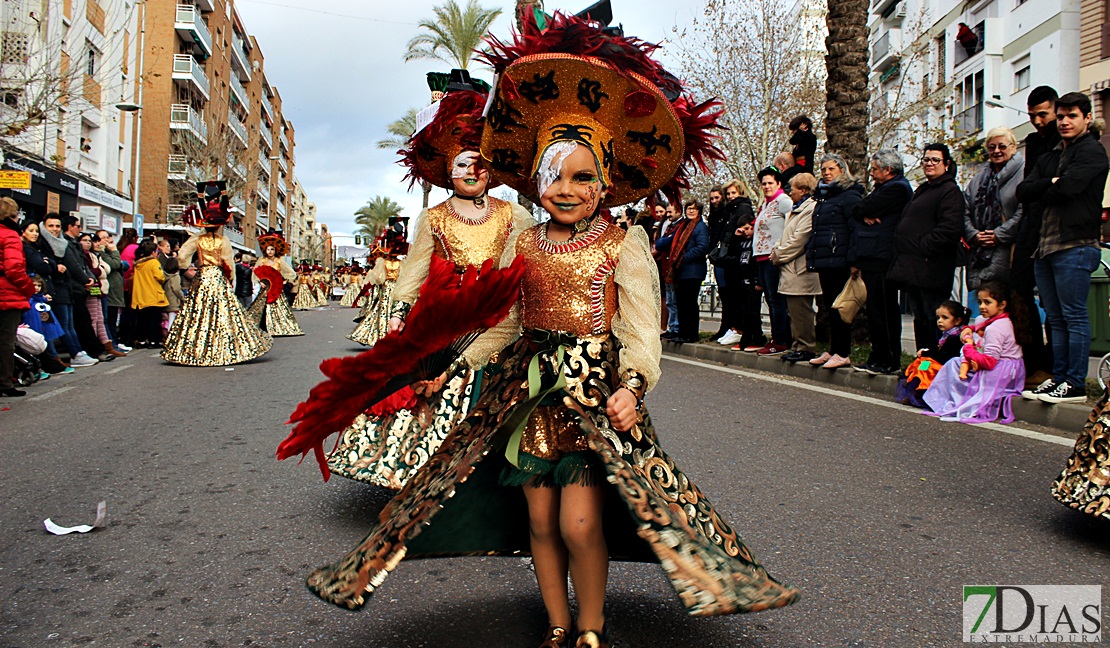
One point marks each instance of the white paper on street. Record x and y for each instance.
(101, 516)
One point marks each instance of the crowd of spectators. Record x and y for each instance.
(1029, 219)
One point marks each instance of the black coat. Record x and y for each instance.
(927, 239)
(872, 246)
(1029, 227)
(1076, 198)
(831, 237)
(42, 265)
(739, 212)
(805, 148)
(243, 281)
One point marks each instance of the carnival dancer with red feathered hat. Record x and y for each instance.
(272, 272)
(581, 119)
(212, 329)
(305, 298)
(467, 229)
(390, 247)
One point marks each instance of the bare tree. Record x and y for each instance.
(221, 155)
(751, 55)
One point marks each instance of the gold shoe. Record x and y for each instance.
(592, 639)
(556, 637)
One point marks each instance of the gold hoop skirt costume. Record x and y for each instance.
(388, 450)
(375, 316)
(277, 318)
(1084, 484)
(354, 284)
(212, 329)
(306, 297)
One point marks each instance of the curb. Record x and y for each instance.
(1067, 418)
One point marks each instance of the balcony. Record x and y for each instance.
(88, 165)
(183, 117)
(263, 190)
(969, 41)
(174, 214)
(233, 235)
(206, 5)
(280, 209)
(240, 170)
(179, 168)
(189, 24)
(267, 107)
(267, 135)
(970, 121)
(263, 161)
(285, 141)
(884, 52)
(237, 127)
(282, 163)
(188, 73)
(240, 93)
(239, 59)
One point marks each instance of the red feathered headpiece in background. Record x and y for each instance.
(449, 308)
(276, 281)
(455, 128)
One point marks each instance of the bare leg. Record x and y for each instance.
(549, 554)
(580, 522)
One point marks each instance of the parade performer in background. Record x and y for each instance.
(467, 229)
(374, 320)
(320, 285)
(563, 417)
(212, 330)
(277, 318)
(352, 280)
(305, 298)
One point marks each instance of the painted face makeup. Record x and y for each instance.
(575, 190)
(468, 176)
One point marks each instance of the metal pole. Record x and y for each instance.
(138, 147)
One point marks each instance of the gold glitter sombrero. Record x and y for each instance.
(275, 238)
(576, 82)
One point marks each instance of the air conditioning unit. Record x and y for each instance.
(900, 12)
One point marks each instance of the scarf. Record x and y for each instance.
(682, 231)
(57, 244)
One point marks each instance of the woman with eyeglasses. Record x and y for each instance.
(927, 241)
(993, 212)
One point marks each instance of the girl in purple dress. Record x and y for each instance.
(992, 355)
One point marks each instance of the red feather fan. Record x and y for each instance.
(449, 308)
(277, 282)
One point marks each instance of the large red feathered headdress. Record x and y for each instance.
(450, 308)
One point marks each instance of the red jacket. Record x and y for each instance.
(15, 285)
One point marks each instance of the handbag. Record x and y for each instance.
(719, 254)
(851, 299)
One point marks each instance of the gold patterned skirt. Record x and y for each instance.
(1084, 485)
(280, 321)
(305, 299)
(375, 317)
(349, 296)
(321, 292)
(454, 505)
(388, 450)
(212, 329)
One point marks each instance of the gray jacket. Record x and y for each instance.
(998, 266)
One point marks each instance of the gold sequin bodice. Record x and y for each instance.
(569, 286)
(392, 269)
(210, 251)
(463, 241)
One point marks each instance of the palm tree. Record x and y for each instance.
(454, 35)
(846, 87)
(399, 133)
(373, 217)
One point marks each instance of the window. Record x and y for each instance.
(14, 47)
(92, 61)
(11, 96)
(1022, 74)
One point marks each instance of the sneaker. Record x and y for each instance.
(798, 356)
(1043, 388)
(729, 338)
(836, 362)
(754, 348)
(67, 370)
(82, 360)
(736, 347)
(12, 392)
(44, 376)
(1065, 393)
(878, 370)
(821, 359)
(863, 368)
(771, 349)
(124, 348)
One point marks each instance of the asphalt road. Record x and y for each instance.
(879, 515)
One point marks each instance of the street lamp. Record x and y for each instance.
(135, 109)
(128, 107)
(994, 103)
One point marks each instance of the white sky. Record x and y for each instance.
(340, 69)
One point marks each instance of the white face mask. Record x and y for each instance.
(551, 165)
(463, 163)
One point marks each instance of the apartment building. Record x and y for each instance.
(943, 69)
(209, 110)
(65, 68)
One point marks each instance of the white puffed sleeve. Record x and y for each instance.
(507, 331)
(636, 324)
(415, 268)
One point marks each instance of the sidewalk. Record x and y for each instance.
(1066, 418)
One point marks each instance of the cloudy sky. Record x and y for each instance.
(339, 65)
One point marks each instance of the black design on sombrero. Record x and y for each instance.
(650, 141)
(590, 94)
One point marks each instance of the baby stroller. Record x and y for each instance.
(27, 368)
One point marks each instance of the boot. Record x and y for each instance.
(111, 351)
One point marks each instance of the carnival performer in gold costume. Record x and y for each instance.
(278, 319)
(212, 330)
(352, 282)
(466, 229)
(306, 295)
(1084, 484)
(563, 418)
(374, 319)
(321, 284)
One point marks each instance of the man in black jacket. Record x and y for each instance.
(69, 284)
(870, 253)
(244, 286)
(926, 242)
(1045, 137)
(1068, 182)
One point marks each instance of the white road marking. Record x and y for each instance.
(117, 369)
(51, 394)
(1008, 429)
